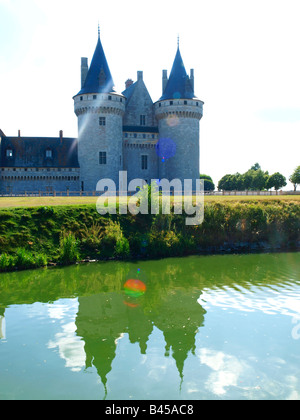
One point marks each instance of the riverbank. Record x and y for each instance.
(52, 235)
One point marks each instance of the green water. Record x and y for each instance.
(208, 327)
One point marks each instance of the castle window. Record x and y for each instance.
(9, 153)
(171, 102)
(102, 158)
(94, 96)
(109, 98)
(144, 162)
(48, 153)
(143, 120)
(81, 98)
(102, 121)
(185, 102)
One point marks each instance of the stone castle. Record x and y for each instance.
(116, 132)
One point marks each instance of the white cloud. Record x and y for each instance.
(227, 370)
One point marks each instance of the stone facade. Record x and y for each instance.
(100, 153)
(116, 132)
(38, 165)
(178, 120)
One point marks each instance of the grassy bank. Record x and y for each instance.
(36, 236)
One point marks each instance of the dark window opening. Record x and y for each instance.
(144, 162)
(102, 158)
(143, 120)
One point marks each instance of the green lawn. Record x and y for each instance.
(6, 202)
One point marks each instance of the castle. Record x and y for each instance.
(116, 132)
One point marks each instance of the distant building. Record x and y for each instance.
(116, 131)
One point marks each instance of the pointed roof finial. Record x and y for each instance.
(98, 30)
(178, 40)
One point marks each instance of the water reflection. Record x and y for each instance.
(175, 299)
(103, 318)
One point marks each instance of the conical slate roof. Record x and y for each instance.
(179, 85)
(98, 79)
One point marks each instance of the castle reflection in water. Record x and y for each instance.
(105, 313)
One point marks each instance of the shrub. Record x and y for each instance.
(122, 248)
(91, 237)
(41, 260)
(6, 262)
(164, 244)
(68, 250)
(24, 259)
(111, 235)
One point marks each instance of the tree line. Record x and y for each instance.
(255, 179)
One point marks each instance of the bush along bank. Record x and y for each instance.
(60, 235)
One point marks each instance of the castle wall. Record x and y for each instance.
(99, 131)
(178, 121)
(21, 180)
(133, 152)
(139, 104)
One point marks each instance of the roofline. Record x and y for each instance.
(38, 138)
(179, 99)
(99, 93)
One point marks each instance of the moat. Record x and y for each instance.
(200, 327)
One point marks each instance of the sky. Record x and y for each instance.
(245, 55)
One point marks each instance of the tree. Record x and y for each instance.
(255, 167)
(203, 176)
(247, 179)
(208, 182)
(295, 177)
(225, 183)
(277, 180)
(258, 180)
(208, 185)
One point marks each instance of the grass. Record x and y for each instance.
(11, 202)
(34, 235)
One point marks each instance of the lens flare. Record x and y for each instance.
(134, 288)
(172, 120)
(165, 148)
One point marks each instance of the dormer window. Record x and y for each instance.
(9, 153)
(49, 153)
(143, 120)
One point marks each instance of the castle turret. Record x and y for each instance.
(100, 111)
(178, 112)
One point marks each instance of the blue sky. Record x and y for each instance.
(245, 55)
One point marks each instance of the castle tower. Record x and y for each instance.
(100, 111)
(178, 112)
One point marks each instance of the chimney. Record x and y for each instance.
(128, 83)
(164, 80)
(192, 78)
(140, 75)
(19, 133)
(84, 70)
(61, 135)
